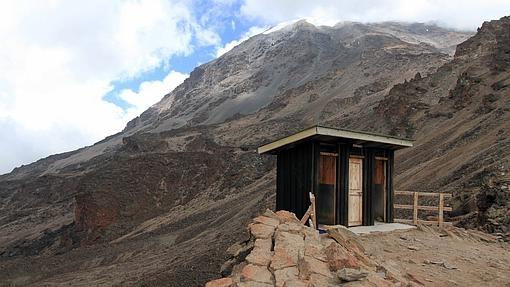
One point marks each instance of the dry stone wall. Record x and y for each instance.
(283, 252)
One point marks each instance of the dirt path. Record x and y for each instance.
(446, 257)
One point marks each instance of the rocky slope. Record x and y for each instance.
(158, 203)
(460, 118)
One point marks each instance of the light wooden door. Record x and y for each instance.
(355, 191)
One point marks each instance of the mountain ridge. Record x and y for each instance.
(196, 74)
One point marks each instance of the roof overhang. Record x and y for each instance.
(338, 134)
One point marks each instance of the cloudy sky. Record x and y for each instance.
(74, 72)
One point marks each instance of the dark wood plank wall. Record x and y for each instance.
(389, 187)
(294, 178)
(313, 175)
(369, 187)
(342, 198)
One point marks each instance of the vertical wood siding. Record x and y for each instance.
(294, 180)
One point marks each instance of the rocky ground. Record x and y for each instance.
(283, 252)
(448, 256)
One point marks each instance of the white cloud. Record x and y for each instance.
(460, 14)
(59, 58)
(150, 92)
(208, 37)
(230, 45)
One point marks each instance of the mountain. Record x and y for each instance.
(158, 203)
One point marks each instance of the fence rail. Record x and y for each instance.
(441, 208)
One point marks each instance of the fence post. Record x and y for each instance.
(415, 208)
(313, 215)
(441, 207)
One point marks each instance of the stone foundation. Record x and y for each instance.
(286, 253)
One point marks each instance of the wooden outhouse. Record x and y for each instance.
(349, 172)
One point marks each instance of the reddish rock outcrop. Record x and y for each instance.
(92, 218)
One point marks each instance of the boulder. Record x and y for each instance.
(256, 273)
(338, 257)
(346, 238)
(293, 243)
(286, 274)
(315, 249)
(264, 243)
(291, 227)
(311, 234)
(259, 256)
(269, 213)
(259, 230)
(308, 265)
(286, 216)
(266, 220)
(282, 259)
(349, 241)
(351, 274)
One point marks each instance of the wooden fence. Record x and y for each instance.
(440, 208)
